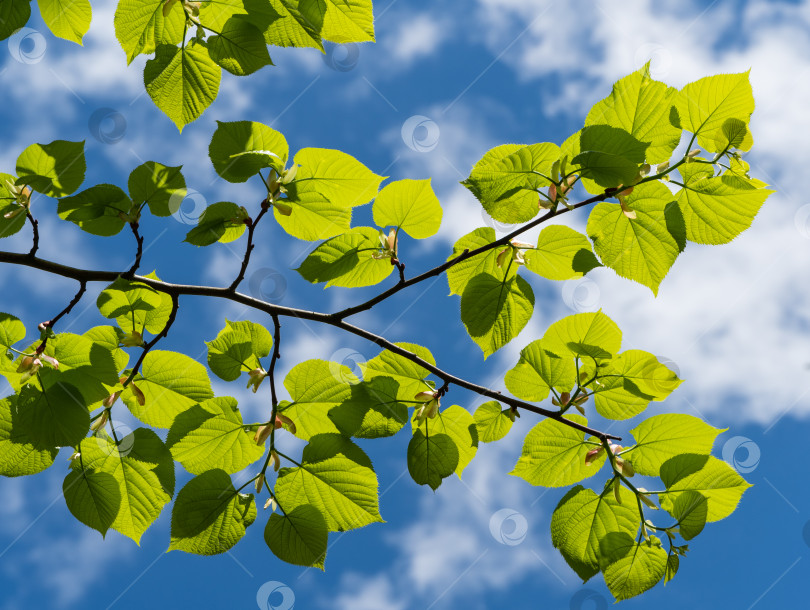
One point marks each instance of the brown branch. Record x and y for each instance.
(251, 225)
(155, 339)
(35, 228)
(138, 254)
(51, 323)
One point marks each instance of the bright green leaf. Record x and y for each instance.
(587, 335)
(410, 376)
(19, 454)
(220, 222)
(561, 254)
(662, 437)
(431, 458)
(240, 149)
(54, 417)
(347, 260)
(68, 19)
(298, 537)
(639, 567)
(140, 26)
(239, 47)
(339, 178)
(237, 349)
(492, 422)
(608, 156)
(458, 424)
(94, 498)
(540, 369)
(410, 205)
(100, 210)
(161, 187)
(55, 169)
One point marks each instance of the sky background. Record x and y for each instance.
(446, 81)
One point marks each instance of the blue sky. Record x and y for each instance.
(475, 74)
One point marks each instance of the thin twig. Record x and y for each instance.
(51, 323)
(35, 228)
(251, 225)
(155, 339)
(138, 254)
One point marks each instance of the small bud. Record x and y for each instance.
(262, 434)
(433, 408)
(132, 339)
(593, 455)
(167, 7)
(74, 456)
(138, 394)
(289, 174)
(421, 413)
(564, 398)
(14, 213)
(255, 378)
(110, 400)
(259, 483)
(693, 153)
(513, 414)
(646, 499)
(502, 257)
(276, 460)
(581, 399)
(101, 421)
(626, 210)
(580, 408)
(279, 423)
(552, 192)
(271, 502)
(287, 421)
(426, 395)
(283, 208)
(662, 167)
(617, 491)
(583, 377)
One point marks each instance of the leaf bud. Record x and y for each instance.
(662, 167)
(255, 378)
(693, 153)
(287, 422)
(645, 498)
(259, 483)
(101, 421)
(276, 460)
(132, 339)
(271, 502)
(262, 434)
(283, 208)
(289, 174)
(564, 398)
(593, 455)
(617, 490)
(138, 394)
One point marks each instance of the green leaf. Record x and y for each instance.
(662, 437)
(313, 217)
(240, 149)
(716, 210)
(690, 509)
(220, 222)
(14, 14)
(214, 14)
(86, 367)
(161, 187)
(237, 349)
(644, 248)
(347, 20)
(209, 516)
(607, 157)
(431, 458)
(507, 178)
(107, 337)
(458, 424)
(459, 275)
(374, 410)
(587, 335)
(705, 474)
(182, 82)
(639, 567)
(68, 19)
(628, 383)
(494, 311)
(317, 387)
(212, 435)
(540, 369)
(492, 422)
(144, 471)
(410, 205)
(642, 107)
(135, 306)
(561, 254)
(337, 478)
(239, 48)
(410, 376)
(19, 454)
(673, 563)
(339, 178)
(347, 260)
(582, 520)
(12, 330)
(8, 203)
(98, 210)
(299, 537)
(299, 25)
(171, 384)
(55, 169)
(54, 417)
(553, 455)
(140, 26)
(705, 105)
(94, 498)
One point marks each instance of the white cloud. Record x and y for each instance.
(416, 36)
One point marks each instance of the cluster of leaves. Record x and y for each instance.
(193, 41)
(66, 386)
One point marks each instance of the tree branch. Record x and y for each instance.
(139, 252)
(250, 246)
(155, 339)
(176, 290)
(50, 323)
(35, 228)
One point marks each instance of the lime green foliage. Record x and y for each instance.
(68, 19)
(209, 515)
(14, 14)
(55, 169)
(69, 390)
